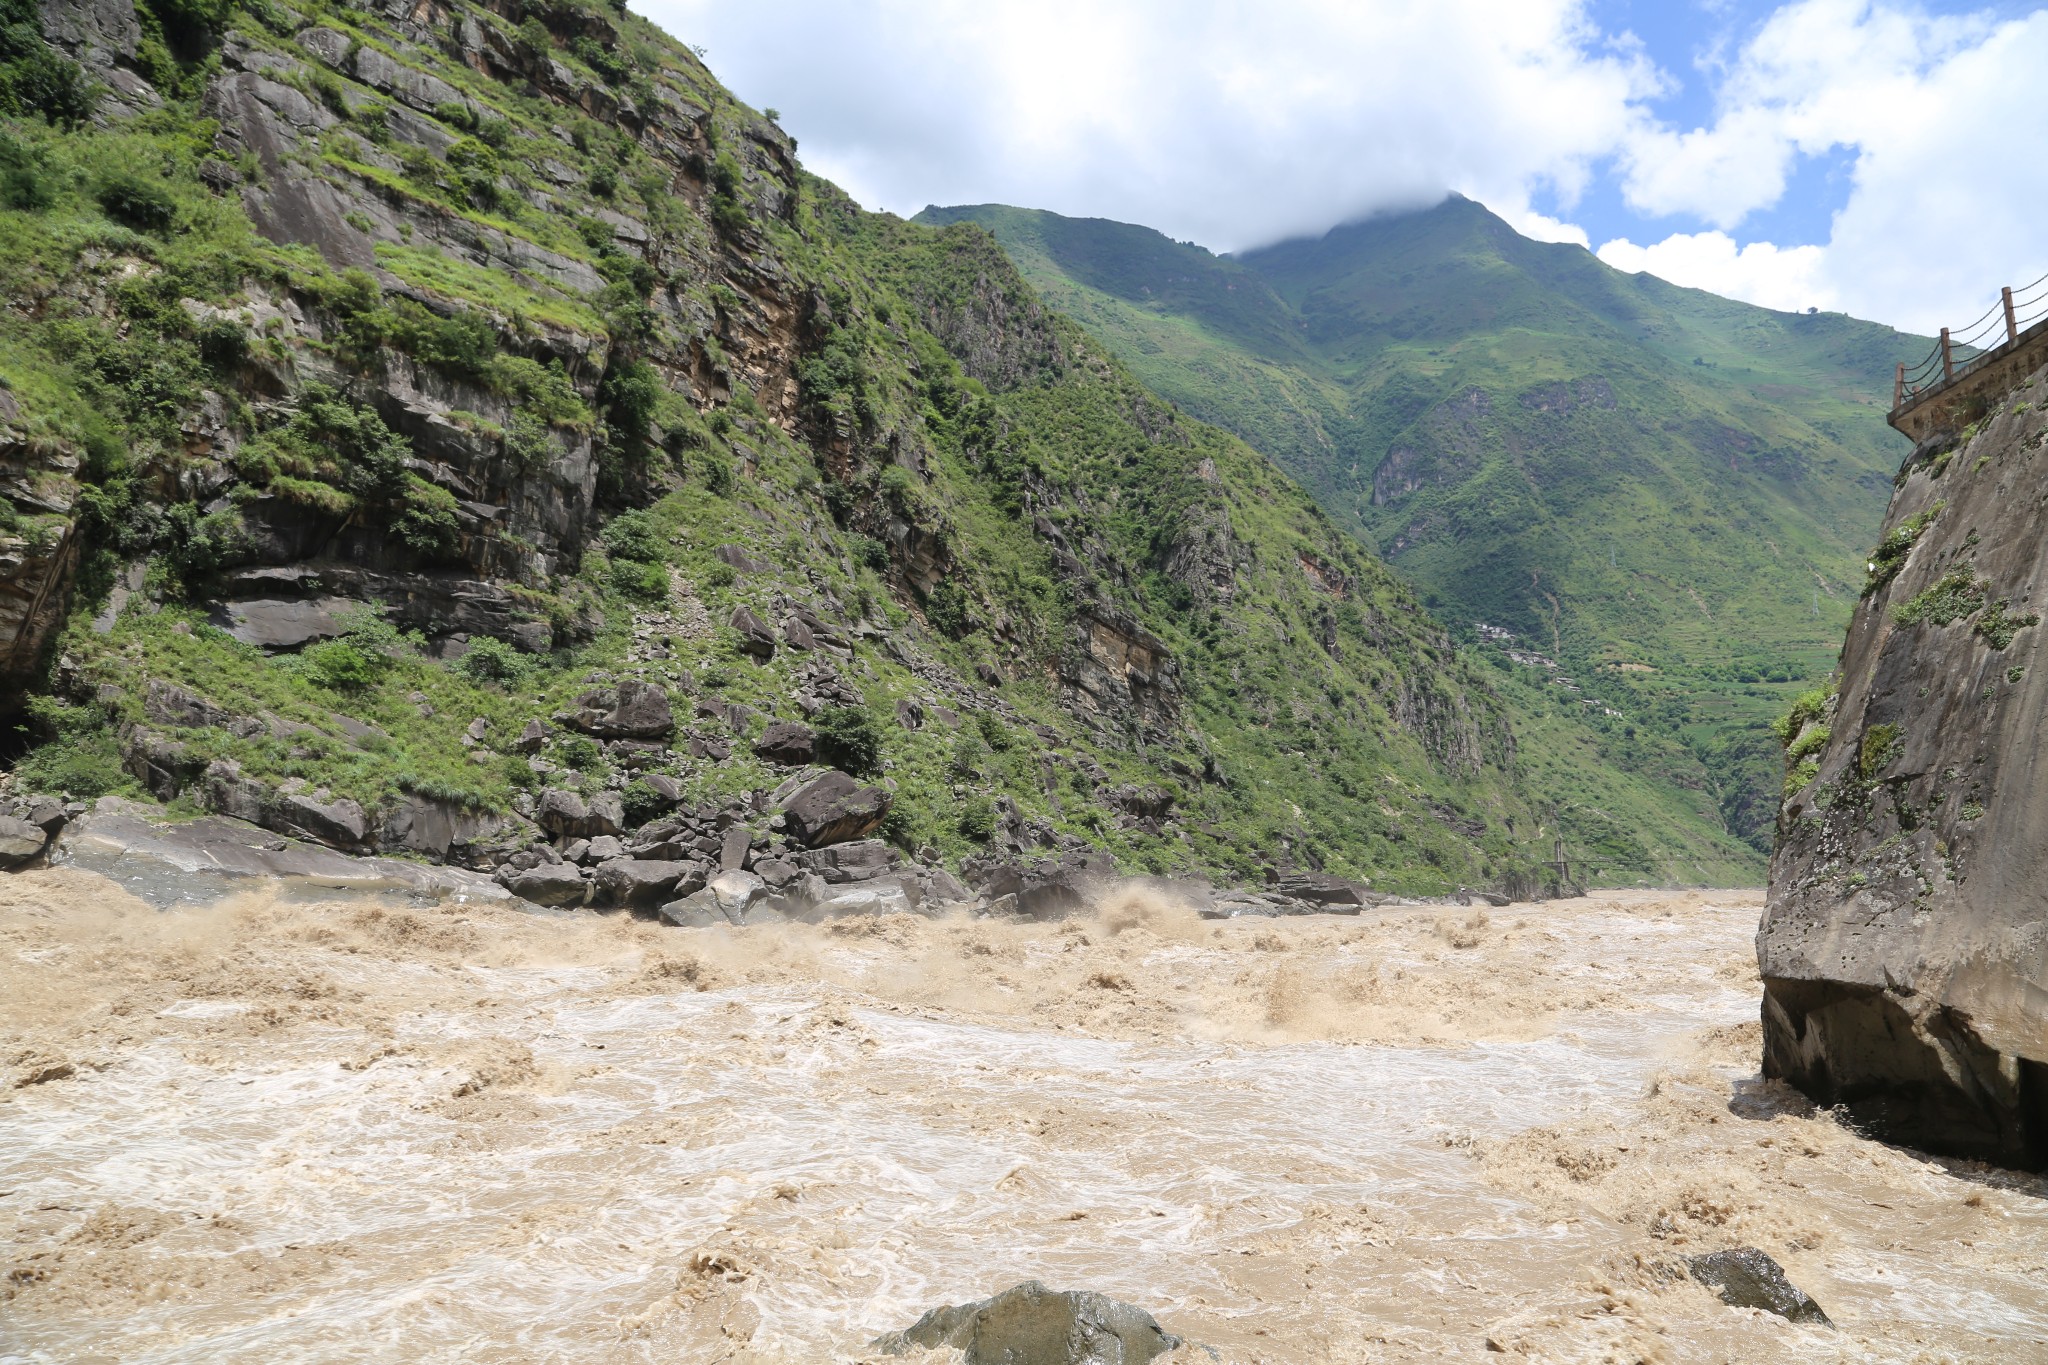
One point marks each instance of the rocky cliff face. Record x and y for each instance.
(1905, 946)
(387, 388)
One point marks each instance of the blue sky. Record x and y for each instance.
(1793, 153)
(1693, 44)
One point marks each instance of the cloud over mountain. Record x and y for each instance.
(1237, 125)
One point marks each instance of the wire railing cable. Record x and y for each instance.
(1961, 350)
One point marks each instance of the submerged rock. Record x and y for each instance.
(1033, 1325)
(1747, 1278)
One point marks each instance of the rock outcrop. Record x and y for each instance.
(1033, 1325)
(1904, 948)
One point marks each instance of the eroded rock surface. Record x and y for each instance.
(1034, 1325)
(1904, 948)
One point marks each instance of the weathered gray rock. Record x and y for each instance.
(419, 824)
(20, 841)
(755, 636)
(787, 743)
(1050, 890)
(163, 765)
(272, 624)
(732, 849)
(532, 737)
(565, 814)
(1320, 888)
(1747, 1278)
(856, 861)
(556, 884)
(885, 897)
(834, 809)
(168, 704)
(339, 823)
(171, 862)
(728, 898)
(637, 881)
(1034, 1325)
(1904, 943)
(632, 710)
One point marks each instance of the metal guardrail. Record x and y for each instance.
(1960, 351)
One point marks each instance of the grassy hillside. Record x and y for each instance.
(1667, 493)
(379, 383)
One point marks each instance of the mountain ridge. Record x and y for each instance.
(1624, 474)
(470, 432)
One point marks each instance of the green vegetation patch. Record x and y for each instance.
(1955, 595)
(1891, 553)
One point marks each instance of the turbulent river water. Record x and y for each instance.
(268, 1130)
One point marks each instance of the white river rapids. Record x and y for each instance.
(266, 1131)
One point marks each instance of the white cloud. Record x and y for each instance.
(1542, 227)
(1230, 124)
(1938, 214)
(1234, 125)
(1786, 278)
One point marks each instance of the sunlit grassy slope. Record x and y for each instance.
(1617, 470)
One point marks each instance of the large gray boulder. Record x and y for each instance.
(787, 743)
(20, 841)
(168, 704)
(1747, 1278)
(642, 881)
(567, 815)
(729, 898)
(888, 896)
(855, 861)
(1904, 943)
(755, 636)
(170, 862)
(339, 823)
(420, 824)
(1033, 1325)
(557, 884)
(834, 809)
(632, 710)
(1051, 889)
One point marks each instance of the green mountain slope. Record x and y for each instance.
(1668, 493)
(392, 394)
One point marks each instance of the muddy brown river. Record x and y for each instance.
(267, 1130)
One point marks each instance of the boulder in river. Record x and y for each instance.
(560, 884)
(1747, 1278)
(20, 841)
(729, 898)
(1033, 1325)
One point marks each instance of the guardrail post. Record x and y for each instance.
(1948, 362)
(1899, 386)
(2012, 327)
